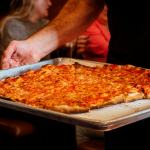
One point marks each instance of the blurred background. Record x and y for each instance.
(53, 11)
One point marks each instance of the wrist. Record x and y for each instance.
(43, 45)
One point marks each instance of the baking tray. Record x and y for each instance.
(104, 119)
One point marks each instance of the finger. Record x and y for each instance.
(13, 63)
(10, 64)
(81, 50)
(5, 65)
(8, 52)
(83, 36)
(82, 41)
(83, 45)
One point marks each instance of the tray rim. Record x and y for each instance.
(71, 118)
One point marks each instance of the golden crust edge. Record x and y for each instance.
(120, 99)
(133, 97)
(116, 100)
(69, 110)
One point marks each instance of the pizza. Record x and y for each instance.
(78, 88)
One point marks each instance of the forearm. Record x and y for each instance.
(75, 17)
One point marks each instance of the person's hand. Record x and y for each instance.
(79, 45)
(19, 53)
(82, 44)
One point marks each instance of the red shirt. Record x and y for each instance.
(99, 37)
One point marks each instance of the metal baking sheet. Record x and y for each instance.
(105, 119)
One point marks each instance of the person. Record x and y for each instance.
(128, 35)
(99, 37)
(56, 33)
(93, 43)
(24, 19)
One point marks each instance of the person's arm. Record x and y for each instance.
(74, 18)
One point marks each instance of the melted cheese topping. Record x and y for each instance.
(75, 85)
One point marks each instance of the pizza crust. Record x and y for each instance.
(69, 110)
(115, 100)
(105, 104)
(118, 99)
(133, 96)
(147, 96)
